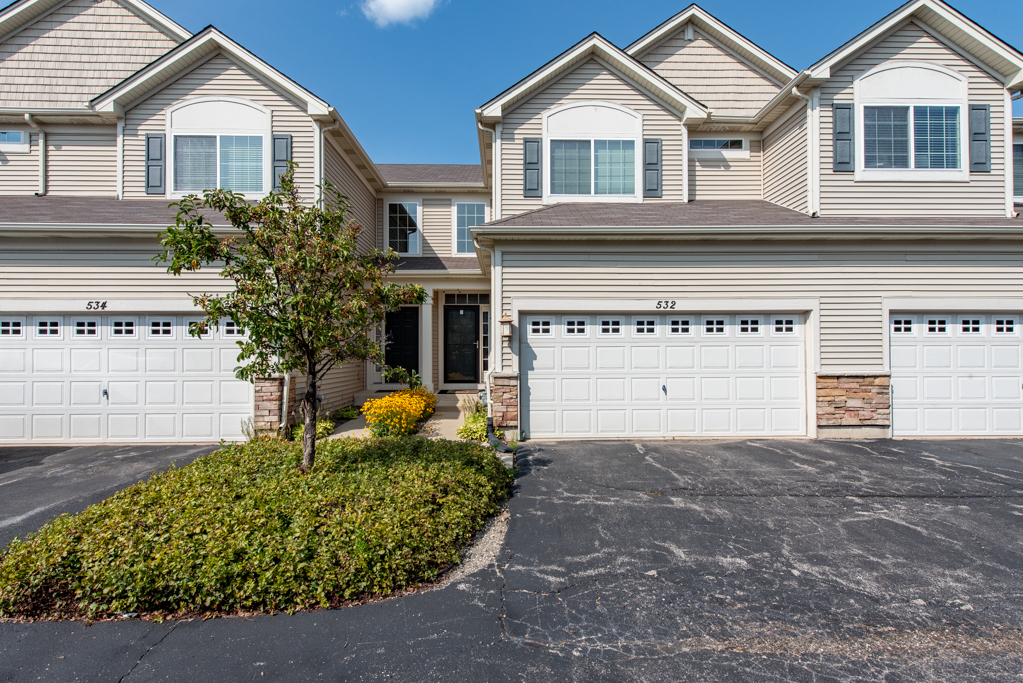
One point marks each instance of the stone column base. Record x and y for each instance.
(854, 405)
(504, 401)
(269, 394)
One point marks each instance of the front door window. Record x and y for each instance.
(461, 344)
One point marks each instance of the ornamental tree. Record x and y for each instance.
(306, 295)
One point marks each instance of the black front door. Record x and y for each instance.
(402, 330)
(462, 344)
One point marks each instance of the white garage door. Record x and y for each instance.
(130, 378)
(956, 374)
(669, 375)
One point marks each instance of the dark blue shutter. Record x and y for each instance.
(980, 138)
(652, 174)
(843, 125)
(156, 164)
(532, 167)
(282, 155)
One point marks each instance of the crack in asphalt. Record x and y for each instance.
(148, 650)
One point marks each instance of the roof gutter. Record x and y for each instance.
(42, 154)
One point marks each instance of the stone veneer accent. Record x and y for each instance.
(269, 393)
(504, 398)
(854, 400)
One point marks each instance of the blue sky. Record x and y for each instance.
(407, 74)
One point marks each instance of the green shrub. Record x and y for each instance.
(324, 428)
(349, 413)
(475, 426)
(243, 530)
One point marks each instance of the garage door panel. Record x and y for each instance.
(197, 425)
(1005, 357)
(123, 393)
(86, 427)
(717, 383)
(972, 357)
(123, 360)
(48, 427)
(47, 393)
(47, 360)
(161, 393)
(1006, 388)
(970, 389)
(937, 388)
(229, 360)
(1007, 420)
(197, 360)
(937, 358)
(161, 360)
(973, 420)
(161, 426)
(13, 393)
(85, 394)
(13, 360)
(197, 393)
(12, 427)
(123, 426)
(86, 361)
(938, 420)
(904, 358)
(235, 392)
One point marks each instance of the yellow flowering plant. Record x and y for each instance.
(398, 414)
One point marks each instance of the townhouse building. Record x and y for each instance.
(684, 237)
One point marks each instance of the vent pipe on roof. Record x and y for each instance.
(42, 154)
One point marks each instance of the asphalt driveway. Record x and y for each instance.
(658, 561)
(38, 483)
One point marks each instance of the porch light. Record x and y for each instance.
(506, 323)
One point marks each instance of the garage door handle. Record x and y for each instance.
(664, 388)
(106, 395)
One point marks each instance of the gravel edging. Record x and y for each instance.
(482, 552)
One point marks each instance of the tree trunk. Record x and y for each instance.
(309, 435)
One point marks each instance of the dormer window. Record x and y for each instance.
(592, 152)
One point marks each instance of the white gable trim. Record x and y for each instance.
(597, 47)
(1003, 59)
(730, 40)
(184, 58)
(20, 15)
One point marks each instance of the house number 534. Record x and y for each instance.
(96, 306)
(666, 305)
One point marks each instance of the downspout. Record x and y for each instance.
(811, 209)
(42, 154)
(284, 401)
(320, 161)
(491, 437)
(495, 202)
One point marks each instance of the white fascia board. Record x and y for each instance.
(92, 230)
(165, 68)
(767, 232)
(721, 32)
(595, 46)
(822, 69)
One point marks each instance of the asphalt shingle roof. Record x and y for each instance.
(397, 174)
(91, 211)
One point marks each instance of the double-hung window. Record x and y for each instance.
(593, 167)
(917, 137)
(1017, 171)
(230, 162)
(403, 227)
(467, 216)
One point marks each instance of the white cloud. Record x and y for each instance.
(386, 12)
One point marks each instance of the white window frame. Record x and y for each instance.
(784, 318)
(901, 320)
(419, 223)
(643, 319)
(1005, 316)
(23, 147)
(981, 321)
(225, 325)
(125, 319)
(715, 319)
(454, 224)
(611, 319)
(24, 328)
(863, 99)
(575, 335)
(187, 335)
(174, 328)
(49, 319)
(74, 328)
(266, 132)
(758, 319)
(549, 334)
(925, 325)
(743, 153)
(688, 319)
(636, 135)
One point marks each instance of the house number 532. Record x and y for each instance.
(666, 305)
(96, 306)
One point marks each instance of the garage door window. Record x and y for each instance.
(749, 326)
(232, 330)
(645, 328)
(714, 327)
(86, 329)
(784, 326)
(902, 326)
(611, 328)
(576, 327)
(937, 326)
(540, 328)
(11, 328)
(680, 327)
(970, 326)
(123, 329)
(161, 329)
(48, 329)
(1005, 326)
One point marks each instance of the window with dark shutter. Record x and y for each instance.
(843, 131)
(652, 174)
(282, 155)
(156, 164)
(980, 138)
(532, 167)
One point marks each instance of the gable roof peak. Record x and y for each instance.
(21, 13)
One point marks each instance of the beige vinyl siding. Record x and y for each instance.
(711, 74)
(727, 178)
(983, 195)
(75, 53)
(850, 280)
(590, 81)
(785, 164)
(19, 172)
(381, 236)
(345, 179)
(340, 385)
(436, 225)
(82, 163)
(217, 77)
(96, 269)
